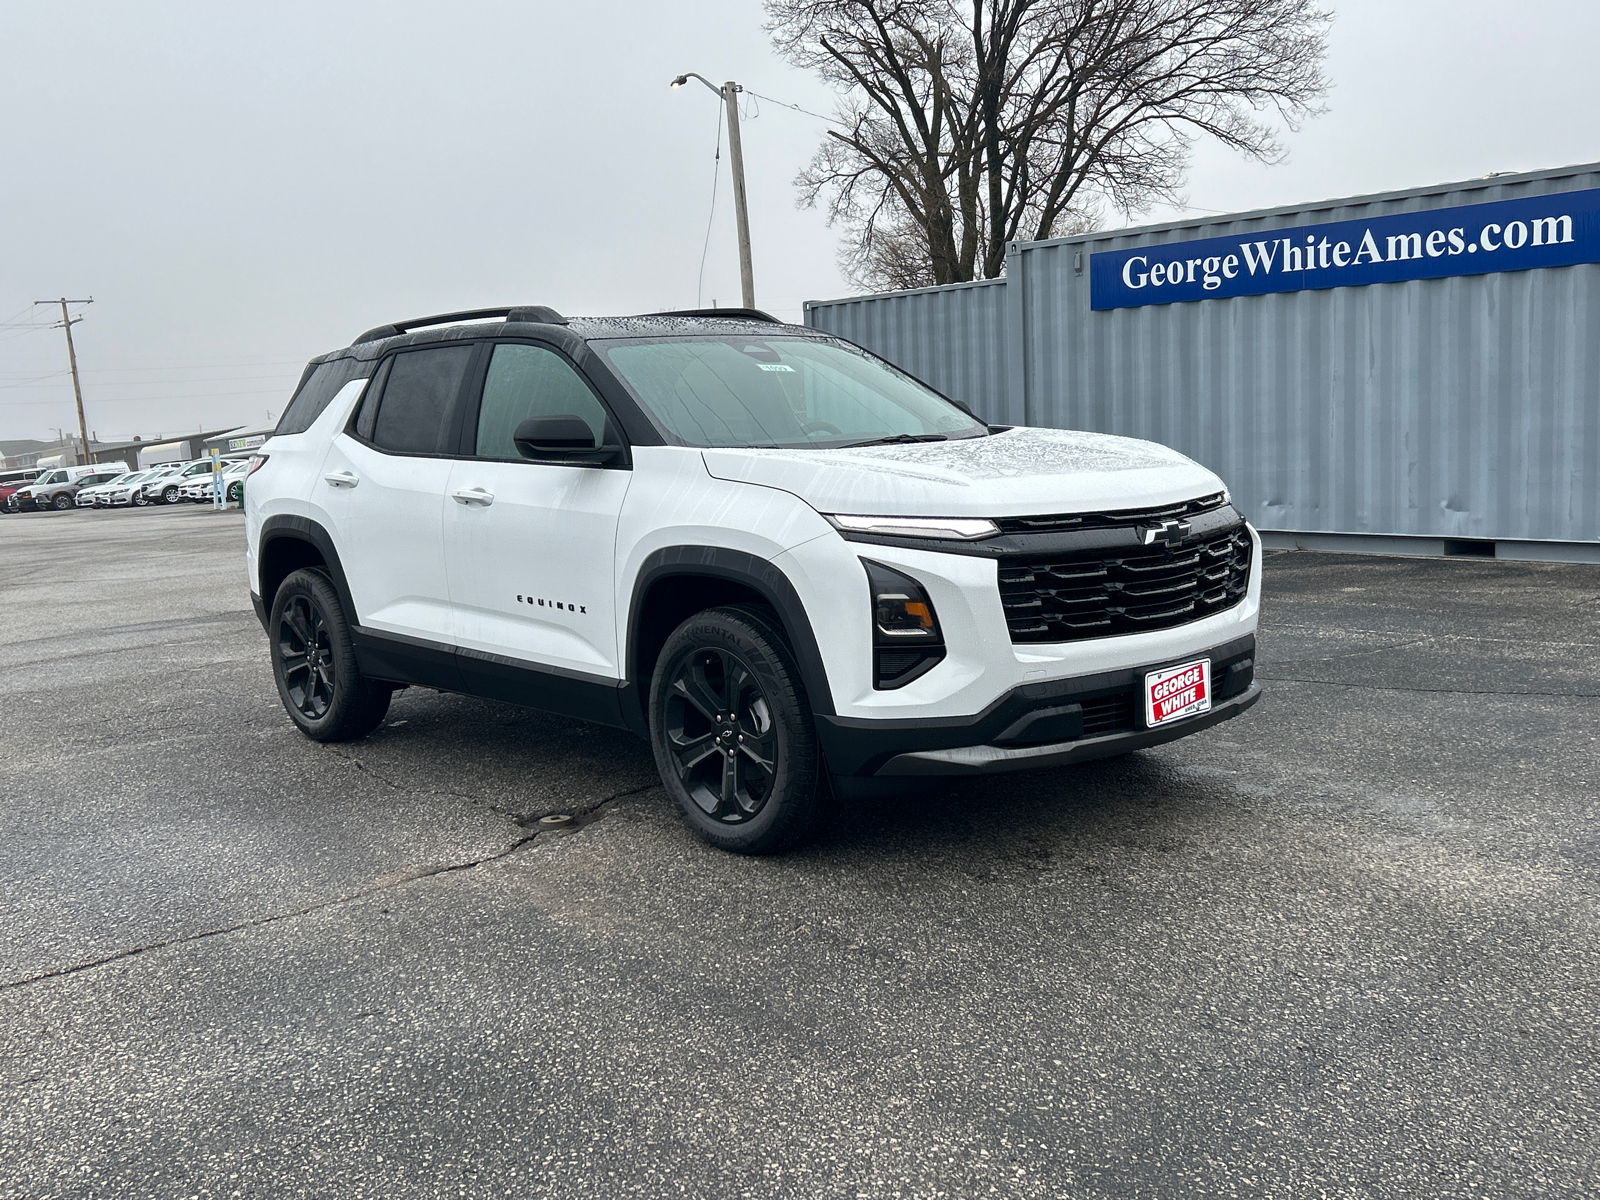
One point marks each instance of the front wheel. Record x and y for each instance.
(732, 732)
(314, 663)
(170, 495)
(62, 502)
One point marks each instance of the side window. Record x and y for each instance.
(367, 409)
(320, 385)
(414, 408)
(531, 381)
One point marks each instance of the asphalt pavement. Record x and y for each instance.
(1342, 946)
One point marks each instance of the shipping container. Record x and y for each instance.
(1417, 371)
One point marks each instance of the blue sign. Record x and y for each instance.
(1555, 230)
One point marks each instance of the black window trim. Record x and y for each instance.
(380, 375)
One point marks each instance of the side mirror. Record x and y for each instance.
(562, 439)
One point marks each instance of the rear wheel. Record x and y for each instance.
(732, 732)
(314, 663)
(138, 500)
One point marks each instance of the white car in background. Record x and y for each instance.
(85, 495)
(168, 488)
(127, 490)
(199, 488)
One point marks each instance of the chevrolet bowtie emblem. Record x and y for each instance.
(1168, 532)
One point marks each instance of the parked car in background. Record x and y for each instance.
(155, 481)
(233, 481)
(168, 489)
(200, 487)
(57, 487)
(10, 481)
(122, 491)
(93, 495)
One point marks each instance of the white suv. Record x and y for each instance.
(782, 560)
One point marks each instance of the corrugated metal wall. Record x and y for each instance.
(952, 337)
(1464, 407)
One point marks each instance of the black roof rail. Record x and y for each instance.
(537, 314)
(733, 314)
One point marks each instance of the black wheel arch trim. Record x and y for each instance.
(292, 527)
(763, 577)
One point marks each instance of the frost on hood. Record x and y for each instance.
(1010, 455)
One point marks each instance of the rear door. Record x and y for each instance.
(530, 547)
(383, 484)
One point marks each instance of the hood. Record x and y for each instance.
(1021, 472)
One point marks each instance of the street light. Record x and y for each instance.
(729, 94)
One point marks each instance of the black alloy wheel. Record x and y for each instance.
(306, 651)
(719, 731)
(62, 502)
(314, 663)
(732, 731)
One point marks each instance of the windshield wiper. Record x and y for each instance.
(897, 437)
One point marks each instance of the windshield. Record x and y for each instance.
(781, 391)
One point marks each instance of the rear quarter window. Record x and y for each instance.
(417, 401)
(319, 386)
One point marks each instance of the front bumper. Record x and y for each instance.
(1044, 724)
(985, 760)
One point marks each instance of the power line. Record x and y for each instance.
(716, 174)
(127, 383)
(797, 108)
(150, 399)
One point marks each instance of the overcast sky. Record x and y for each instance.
(242, 188)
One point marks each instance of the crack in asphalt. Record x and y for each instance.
(522, 819)
(1383, 687)
(373, 889)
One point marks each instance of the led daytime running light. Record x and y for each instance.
(966, 529)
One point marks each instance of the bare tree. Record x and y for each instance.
(966, 124)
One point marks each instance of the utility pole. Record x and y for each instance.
(747, 278)
(67, 323)
(730, 98)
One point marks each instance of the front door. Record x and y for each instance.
(530, 547)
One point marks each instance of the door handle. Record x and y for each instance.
(342, 478)
(473, 495)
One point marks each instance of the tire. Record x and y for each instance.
(753, 782)
(169, 495)
(314, 663)
(61, 502)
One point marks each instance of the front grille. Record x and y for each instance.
(1110, 714)
(1099, 593)
(1107, 520)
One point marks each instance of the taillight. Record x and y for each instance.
(257, 461)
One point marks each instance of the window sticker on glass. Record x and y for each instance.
(776, 367)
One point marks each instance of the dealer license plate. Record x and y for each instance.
(1177, 692)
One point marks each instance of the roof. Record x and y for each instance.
(546, 322)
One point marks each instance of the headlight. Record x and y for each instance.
(966, 529)
(906, 639)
